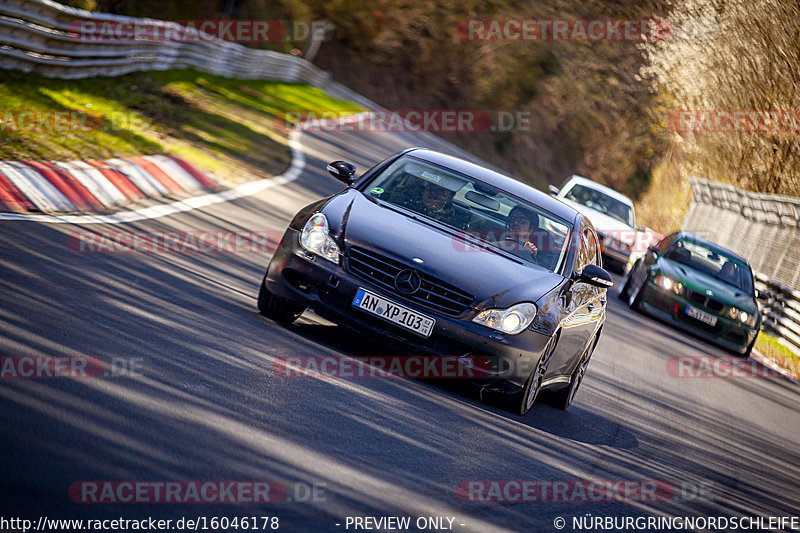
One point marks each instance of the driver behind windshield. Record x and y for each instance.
(430, 199)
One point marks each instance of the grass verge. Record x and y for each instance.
(233, 129)
(777, 352)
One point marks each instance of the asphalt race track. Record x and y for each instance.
(203, 402)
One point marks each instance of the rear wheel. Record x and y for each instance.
(277, 308)
(523, 401)
(563, 398)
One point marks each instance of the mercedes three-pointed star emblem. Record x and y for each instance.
(407, 281)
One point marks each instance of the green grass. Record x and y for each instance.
(233, 129)
(772, 349)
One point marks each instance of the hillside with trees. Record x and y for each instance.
(619, 112)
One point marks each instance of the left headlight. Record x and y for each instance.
(316, 238)
(742, 316)
(512, 320)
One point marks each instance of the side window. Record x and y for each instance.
(664, 243)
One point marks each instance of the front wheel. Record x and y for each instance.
(277, 308)
(749, 349)
(626, 285)
(523, 401)
(635, 298)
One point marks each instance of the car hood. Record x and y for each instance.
(604, 223)
(494, 279)
(697, 281)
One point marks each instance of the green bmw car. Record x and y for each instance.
(697, 286)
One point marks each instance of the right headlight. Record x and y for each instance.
(668, 284)
(316, 238)
(512, 320)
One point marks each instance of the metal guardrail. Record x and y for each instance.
(763, 228)
(781, 311)
(42, 36)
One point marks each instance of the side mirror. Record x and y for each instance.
(553, 189)
(653, 249)
(761, 295)
(641, 229)
(342, 171)
(594, 275)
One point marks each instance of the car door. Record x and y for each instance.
(583, 303)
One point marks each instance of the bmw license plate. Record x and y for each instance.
(394, 313)
(702, 316)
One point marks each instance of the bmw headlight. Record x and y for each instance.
(742, 316)
(670, 285)
(511, 320)
(316, 239)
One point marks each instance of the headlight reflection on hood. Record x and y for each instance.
(316, 239)
(512, 320)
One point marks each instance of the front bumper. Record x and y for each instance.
(329, 289)
(670, 307)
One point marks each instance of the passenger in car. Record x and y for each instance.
(525, 237)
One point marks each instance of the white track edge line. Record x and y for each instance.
(196, 202)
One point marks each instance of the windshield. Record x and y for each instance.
(714, 262)
(601, 202)
(482, 214)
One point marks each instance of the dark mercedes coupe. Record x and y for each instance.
(440, 256)
(697, 286)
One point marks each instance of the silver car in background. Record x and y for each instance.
(610, 212)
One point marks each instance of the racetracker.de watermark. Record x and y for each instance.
(388, 366)
(60, 121)
(193, 31)
(563, 490)
(208, 491)
(555, 30)
(67, 366)
(734, 121)
(408, 120)
(723, 367)
(173, 242)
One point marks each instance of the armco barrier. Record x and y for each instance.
(765, 229)
(40, 36)
(781, 312)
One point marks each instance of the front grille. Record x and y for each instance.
(433, 292)
(702, 299)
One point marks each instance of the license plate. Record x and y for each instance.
(394, 313)
(701, 315)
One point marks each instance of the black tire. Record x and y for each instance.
(749, 349)
(523, 401)
(623, 291)
(635, 299)
(563, 398)
(277, 308)
(626, 285)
